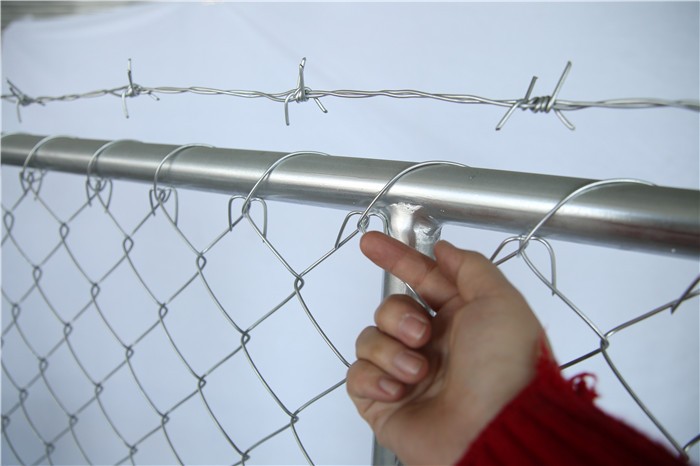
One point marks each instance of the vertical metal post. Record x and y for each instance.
(410, 225)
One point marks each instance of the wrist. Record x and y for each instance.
(480, 402)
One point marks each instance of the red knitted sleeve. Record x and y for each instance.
(554, 422)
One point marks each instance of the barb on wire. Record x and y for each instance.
(133, 90)
(21, 98)
(540, 104)
(302, 93)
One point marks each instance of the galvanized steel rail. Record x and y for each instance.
(637, 217)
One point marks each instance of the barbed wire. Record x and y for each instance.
(302, 93)
(98, 194)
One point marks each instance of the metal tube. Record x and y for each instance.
(646, 218)
(410, 225)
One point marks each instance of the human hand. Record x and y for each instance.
(429, 386)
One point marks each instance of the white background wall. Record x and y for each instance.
(617, 49)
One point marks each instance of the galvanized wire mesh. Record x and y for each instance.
(146, 318)
(130, 333)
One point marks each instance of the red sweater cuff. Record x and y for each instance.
(554, 422)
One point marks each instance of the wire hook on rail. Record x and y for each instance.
(27, 178)
(604, 338)
(363, 221)
(100, 183)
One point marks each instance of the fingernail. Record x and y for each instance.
(408, 363)
(413, 327)
(388, 386)
(447, 243)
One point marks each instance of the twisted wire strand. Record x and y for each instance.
(301, 93)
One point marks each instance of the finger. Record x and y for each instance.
(391, 356)
(368, 382)
(404, 319)
(414, 268)
(475, 276)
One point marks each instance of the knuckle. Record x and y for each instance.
(375, 347)
(358, 378)
(366, 334)
(392, 305)
(389, 316)
(400, 299)
(364, 341)
(353, 378)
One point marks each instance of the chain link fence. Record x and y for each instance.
(143, 324)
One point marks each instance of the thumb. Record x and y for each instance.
(476, 278)
(474, 275)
